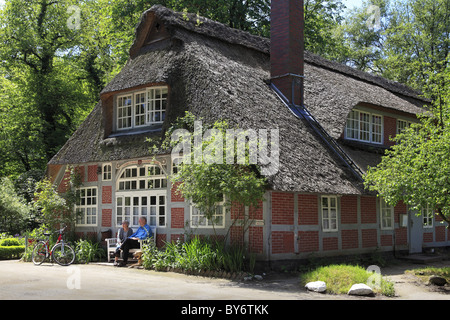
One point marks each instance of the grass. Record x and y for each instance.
(425, 273)
(340, 278)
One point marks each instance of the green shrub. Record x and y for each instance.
(86, 251)
(11, 252)
(197, 254)
(340, 278)
(8, 242)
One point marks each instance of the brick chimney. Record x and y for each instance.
(287, 48)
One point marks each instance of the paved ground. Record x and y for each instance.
(19, 280)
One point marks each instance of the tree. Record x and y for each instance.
(56, 208)
(417, 42)
(50, 77)
(417, 169)
(322, 18)
(410, 44)
(13, 208)
(210, 181)
(363, 36)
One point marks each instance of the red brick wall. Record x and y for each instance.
(427, 237)
(399, 209)
(349, 239)
(368, 209)
(177, 217)
(256, 213)
(237, 211)
(256, 239)
(236, 235)
(386, 240)
(282, 208)
(282, 242)
(106, 217)
(92, 173)
(65, 182)
(308, 241)
(176, 196)
(390, 129)
(369, 238)
(401, 236)
(106, 194)
(330, 243)
(161, 238)
(308, 211)
(440, 233)
(349, 209)
(52, 171)
(175, 237)
(81, 171)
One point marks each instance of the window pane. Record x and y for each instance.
(376, 129)
(364, 126)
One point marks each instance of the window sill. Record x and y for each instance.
(151, 129)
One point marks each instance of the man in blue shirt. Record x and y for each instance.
(132, 241)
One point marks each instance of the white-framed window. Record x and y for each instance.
(364, 126)
(329, 209)
(428, 215)
(199, 220)
(146, 177)
(86, 206)
(151, 205)
(386, 215)
(141, 108)
(402, 125)
(124, 112)
(107, 172)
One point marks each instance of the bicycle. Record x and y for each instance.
(61, 252)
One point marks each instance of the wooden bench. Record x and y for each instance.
(111, 244)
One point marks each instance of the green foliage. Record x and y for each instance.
(340, 278)
(86, 251)
(208, 182)
(425, 273)
(416, 170)
(8, 242)
(11, 252)
(57, 208)
(411, 43)
(13, 209)
(50, 78)
(197, 254)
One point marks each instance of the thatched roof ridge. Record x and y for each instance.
(211, 28)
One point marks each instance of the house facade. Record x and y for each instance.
(337, 123)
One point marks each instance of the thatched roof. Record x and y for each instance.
(218, 73)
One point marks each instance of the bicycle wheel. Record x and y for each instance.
(40, 253)
(63, 254)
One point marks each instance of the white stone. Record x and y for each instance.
(360, 289)
(316, 286)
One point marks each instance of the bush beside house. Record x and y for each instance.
(11, 248)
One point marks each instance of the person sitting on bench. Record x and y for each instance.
(132, 242)
(122, 235)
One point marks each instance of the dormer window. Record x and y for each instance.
(364, 126)
(141, 108)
